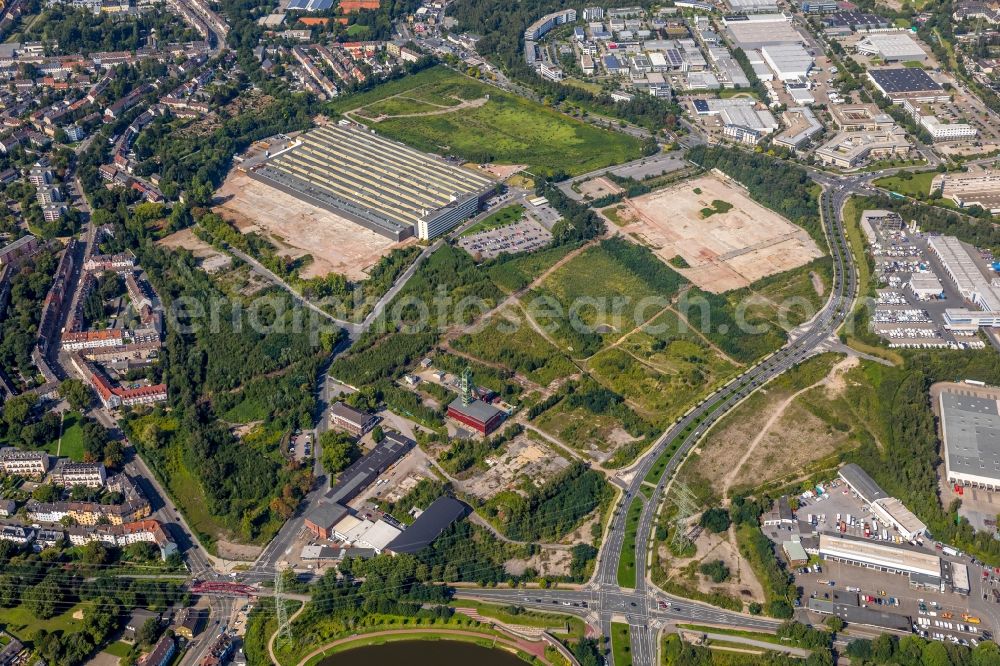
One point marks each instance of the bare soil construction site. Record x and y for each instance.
(336, 244)
(726, 240)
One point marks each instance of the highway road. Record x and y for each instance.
(640, 607)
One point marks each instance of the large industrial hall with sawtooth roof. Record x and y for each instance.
(383, 185)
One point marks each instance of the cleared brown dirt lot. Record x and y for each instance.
(211, 259)
(763, 440)
(599, 187)
(522, 459)
(336, 244)
(714, 547)
(725, 250)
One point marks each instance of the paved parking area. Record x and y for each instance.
(980, 507)
(523, 236)
(545, 215)
(302, 445)
(654, 165)
(900, 316)
(882, 586)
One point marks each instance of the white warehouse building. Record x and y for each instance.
(880, 557)
(888, 510)
(891, 47)
(790, 62)
(970, 430)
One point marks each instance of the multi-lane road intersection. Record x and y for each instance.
(647, 609)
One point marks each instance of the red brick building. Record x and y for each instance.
(478, 415)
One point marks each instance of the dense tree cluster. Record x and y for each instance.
(715, 570)
(49, 583)
(339, 451)
(29, 284)
(715, 520)
(804, 636)
(678, 653)
(779, 586)
(467, 552)
(579, 222)
(387, 358)
(196, 163)
(78, 30)
(915, 651)
(580, 567)
(109, 286)
(553, 510)
(271, 365)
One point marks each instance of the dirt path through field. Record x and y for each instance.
(461, 106)
(835, 383)
(514, 298)
(708, 342)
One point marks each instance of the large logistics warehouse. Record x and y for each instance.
(386, 186)
(919, 565)
(892, 47)
(970, 429)
(966, 271)
(758, 30)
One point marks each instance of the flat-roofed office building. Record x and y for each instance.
(386, 186)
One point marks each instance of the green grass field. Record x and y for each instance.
(506, 129)
(518, 271)
(504, 216)
(626, 563)
(402, 105)
(578, 427)
(621, 644)
(601, 292)
(246, 411)
(729, 93)
(190, 498)
(72, 438)
(513, 343)
(852, 219)
(118, 649)
(755, 635)
(662, 395)
(556, 622)
(792, 297)
(23, 623)
(910, 184)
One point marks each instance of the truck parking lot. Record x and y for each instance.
(933, 612)
(939, 612)
(901, 316)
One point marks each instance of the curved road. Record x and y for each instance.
(646, 606)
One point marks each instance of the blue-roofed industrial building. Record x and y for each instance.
(612, 64)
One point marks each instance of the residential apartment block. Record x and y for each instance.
(32, 464)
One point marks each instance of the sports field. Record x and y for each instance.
(444, 112)
(728, 240)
